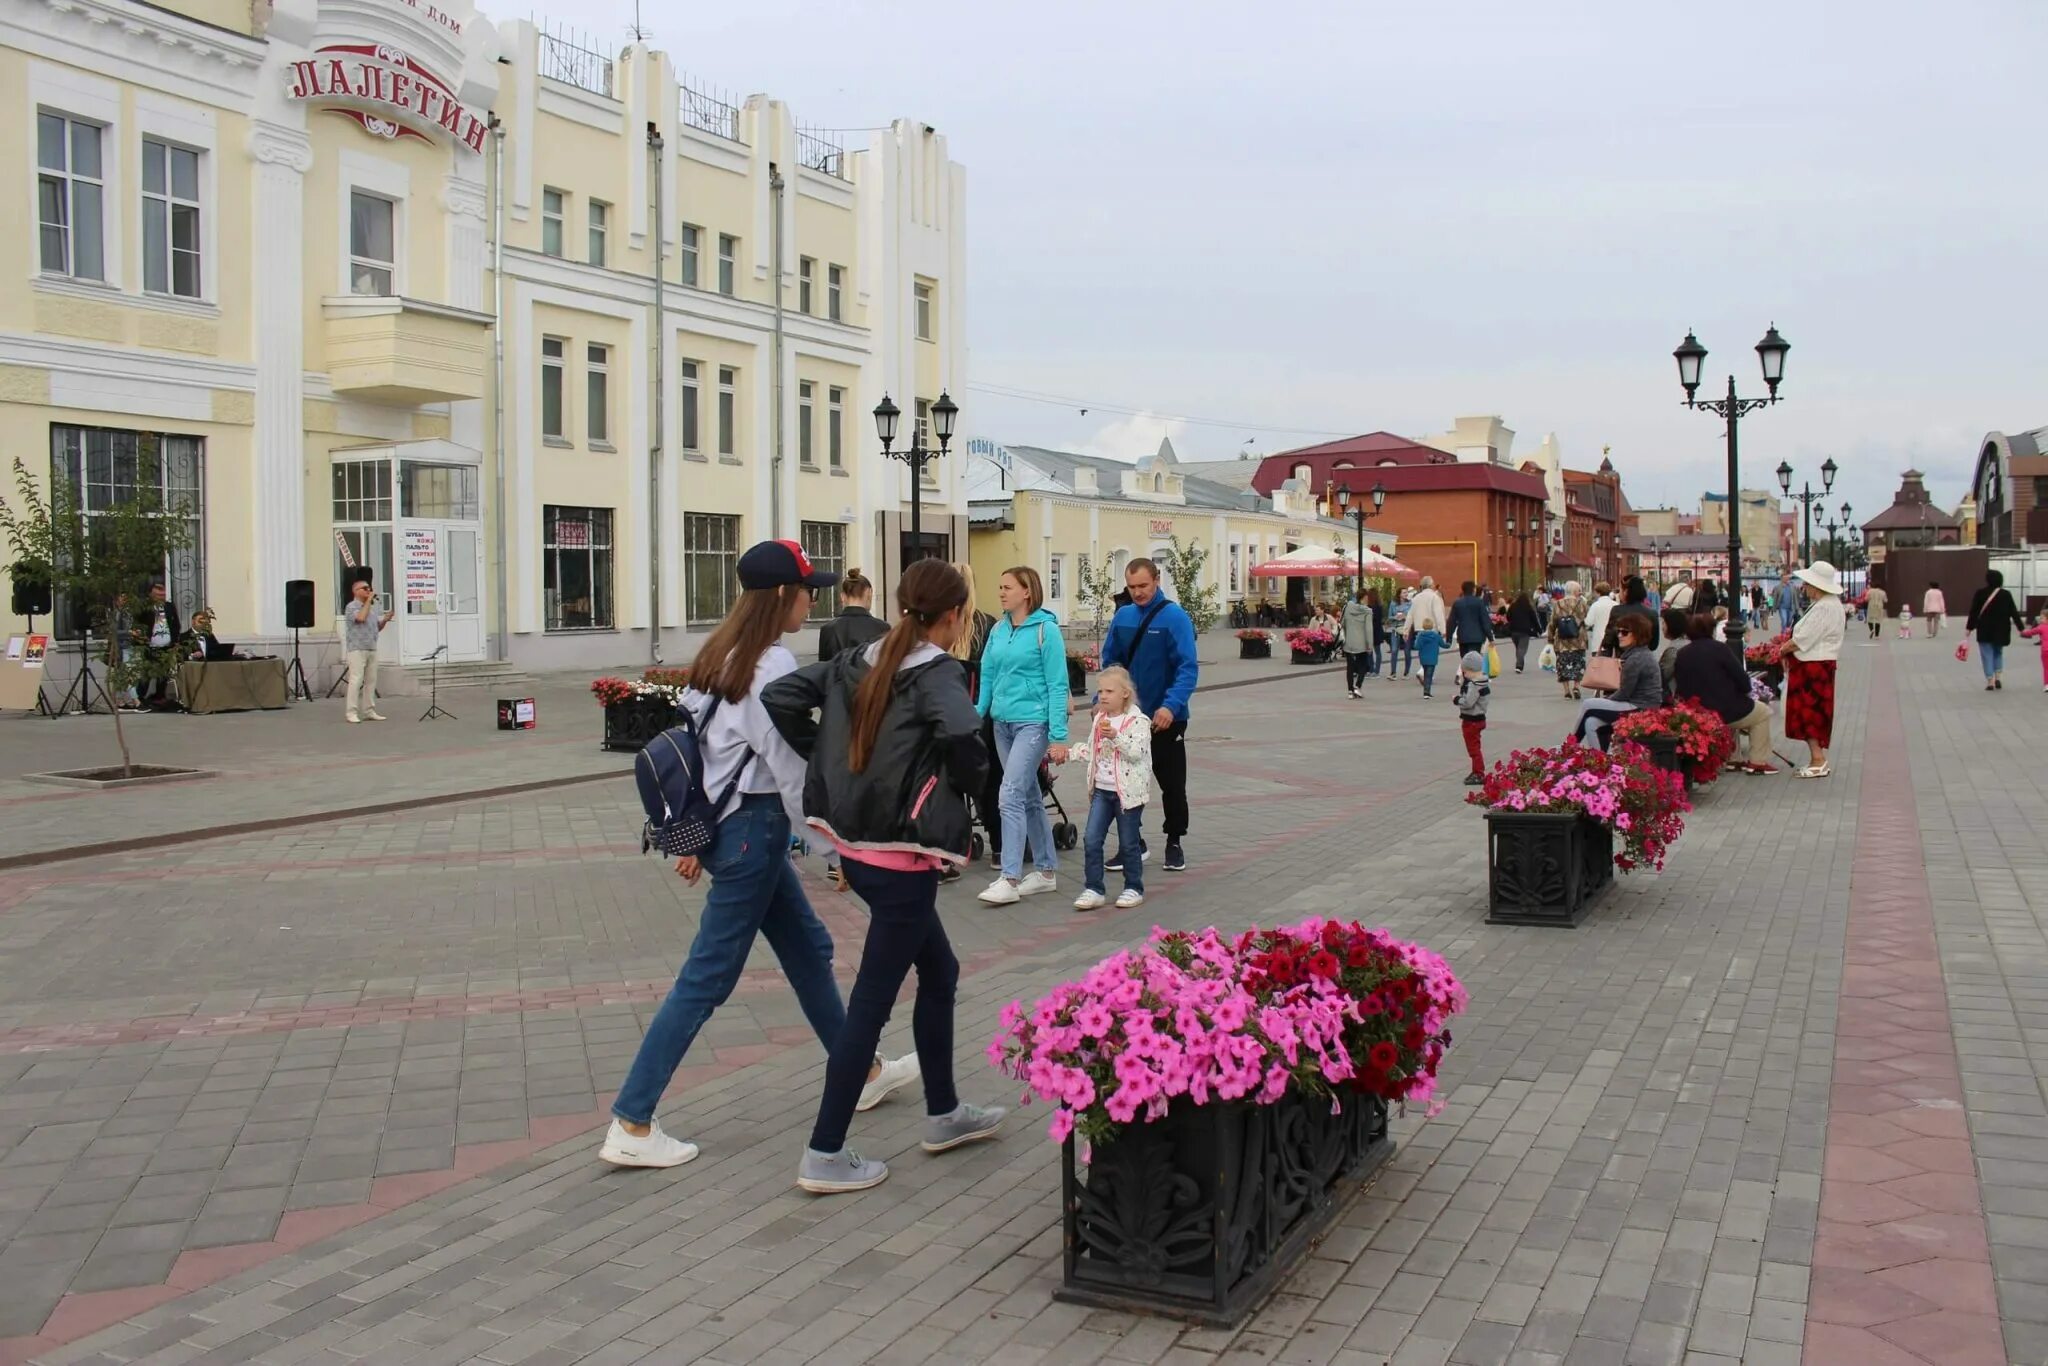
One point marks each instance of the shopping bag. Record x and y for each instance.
(1962, 652)
(1547, 661)
(1492, 661)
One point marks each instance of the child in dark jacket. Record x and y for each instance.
(1429, 647)
(1473, 691)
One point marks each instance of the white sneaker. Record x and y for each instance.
(1129, 898)
(893, 1077)
(1002, 892)
(378, 716)
(1035, 882)
(354, 720)
(1090, 901)
(655, 1149)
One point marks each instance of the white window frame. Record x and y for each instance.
(1056, 579)
(71, 180)
(597, 395)
(922, 300)
(689, 253)
(164, 119)
(597, 217)
(824, 546)
(554, 221)
(728, 264)
(699, 530)
(590, 549)
(1236, 563)
(386, 180)
(172, 202)
(806, 424)
(74, 94)
(835, 290)
(728, 412)
(835, 427)
(691, 404)
(555, 366)
(806, 277)
(357, 261)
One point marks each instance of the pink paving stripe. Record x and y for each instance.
(1901, 1264)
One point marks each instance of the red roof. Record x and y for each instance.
(1375, 444)
(1402, 465)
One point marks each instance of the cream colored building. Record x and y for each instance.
(1049, 509)
(1760, 523)
(261, 271)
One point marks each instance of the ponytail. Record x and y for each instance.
(927, 591)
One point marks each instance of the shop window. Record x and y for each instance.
(576, 568)
(825, 544)
(711, 558)
(361, 507)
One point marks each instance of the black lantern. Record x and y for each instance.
(1691, 356)
(886, 417)
(1827, 474)
(944, 413)
(1771, 351)
(1784, 476)
(1379, 496)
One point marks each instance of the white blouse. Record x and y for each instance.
(1818, 633)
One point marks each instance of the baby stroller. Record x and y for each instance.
(1065, 834)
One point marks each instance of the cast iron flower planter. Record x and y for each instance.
(1077, 677)
(1203, 1213)
(1544, 867)
(1255, 649)
(630, 724)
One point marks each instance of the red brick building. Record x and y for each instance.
(1452, 518)
(1592, 533)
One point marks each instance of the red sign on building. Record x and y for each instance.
(385, 91)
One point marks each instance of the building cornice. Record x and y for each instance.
(108, 36)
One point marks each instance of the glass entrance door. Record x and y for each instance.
(440, 565)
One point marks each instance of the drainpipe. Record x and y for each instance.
(500, 590)
(775, 187)
(654, 445)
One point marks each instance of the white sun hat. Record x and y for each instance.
(1821, 575)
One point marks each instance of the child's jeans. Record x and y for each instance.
(1474, 727)
(1103, 807)
(1428, 677)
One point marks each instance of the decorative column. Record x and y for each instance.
(465, 200)
(283, 156)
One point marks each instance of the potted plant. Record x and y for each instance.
(1254, 644)
(637, 711)
(1684, 738)
(1080, 663)
(1219, 1099)
(1553, 817)
(1311, 644)
(1767, 660)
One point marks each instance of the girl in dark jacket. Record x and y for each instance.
(893, 752)
(1523, 624)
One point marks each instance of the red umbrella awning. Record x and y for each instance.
(1325, 568)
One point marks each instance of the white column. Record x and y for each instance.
(282, 156)
(463, 196)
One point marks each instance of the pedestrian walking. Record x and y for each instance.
(1470, 625)
(1523, 625)
(757, 781)
(1379, 630)
(1117, 756)
(1706, 672)
(1400, 639)
(1358, 641)
(1427, 605)
(1810, 660)
(1024, 692)
(1874, 603)
(1153, 637)
(1567, 636)
(1993, 618)
(1429, 647)
(893, 749)
(361, 625)
(1598, 614)
(1790, 599)
(855, 623)
(1933, 606)
(2039, 631)
(1905, 621)
(1641, 683)
(1473, 691)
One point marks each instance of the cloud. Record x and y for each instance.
(1131, 438)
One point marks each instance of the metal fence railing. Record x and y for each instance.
(575, 64)
(706, 110)
(820, 151)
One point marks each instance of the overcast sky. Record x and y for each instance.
(1342, 217)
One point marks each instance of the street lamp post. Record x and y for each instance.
(1356, 512)
(1522, 537)
(1691, 356)
(1807, 496)
(944, 414)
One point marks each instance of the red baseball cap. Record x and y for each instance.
(773, 564)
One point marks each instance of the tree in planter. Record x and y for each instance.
(98, 566)
(1095, 589)
(1183, 564)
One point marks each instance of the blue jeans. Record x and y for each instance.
(754, 890)
(1022, 745)
(1103, 807)
(1400, 655)
(1993, 659)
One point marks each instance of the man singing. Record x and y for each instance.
(361, 629)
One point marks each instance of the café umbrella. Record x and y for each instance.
(1315, 562)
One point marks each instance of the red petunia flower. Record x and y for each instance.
(1324, 965)
(1383, 1056)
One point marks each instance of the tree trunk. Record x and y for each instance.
(120, 736)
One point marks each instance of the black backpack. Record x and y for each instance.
(1567, 627)
(682, 819)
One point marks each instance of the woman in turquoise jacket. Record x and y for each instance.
(1024, 691)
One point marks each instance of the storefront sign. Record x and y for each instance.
(988, 450)
(1162, 526)
(385, 91)
(421, 568)
(572, 535)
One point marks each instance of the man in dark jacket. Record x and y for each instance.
(1154, 638)
(856, 624)
(1706, 672)
(156, 629)
(1471, 624)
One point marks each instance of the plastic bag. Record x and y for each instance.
(1962, 652)
(1547, 661)
(1492, 661)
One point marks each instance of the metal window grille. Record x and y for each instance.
(711, 560)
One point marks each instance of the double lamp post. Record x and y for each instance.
(1690, 356)
(1807, 496)
(1356, 512)
(945, 413)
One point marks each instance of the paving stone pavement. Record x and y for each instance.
(368, 1137)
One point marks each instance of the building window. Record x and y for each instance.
(835, 425)
(835, 282)
(170, 219)
(921, 424)
(728, 261)
(728, 409)
(372, 243)
(825, 545)
(361, 508)
(102, 469)
(2041, 490)
(551, 212)
(711, 558)
(692, 235)
(692, 441)
(805, 455)
(576, 568)
(1056, 578)
(600, 217)
(923, 292)
(553, 350)
(597, 385)
(1236, 563)
(806, 272)
(442, 492)
(70, 190)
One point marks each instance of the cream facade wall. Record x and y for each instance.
(289, 369)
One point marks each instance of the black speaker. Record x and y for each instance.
(298, 604)
(31, 598)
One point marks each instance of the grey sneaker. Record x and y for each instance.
(836, 1173)
(964, 1125)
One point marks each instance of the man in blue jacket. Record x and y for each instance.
(1154, 638)
(1471, 625)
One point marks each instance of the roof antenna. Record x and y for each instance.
(636, 28)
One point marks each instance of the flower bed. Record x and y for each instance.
(1703, 741)
(1224, 1090)
(635, 711)
(1643, 806)
(1311, 644)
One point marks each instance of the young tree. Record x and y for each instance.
(1183, 564)
(100, 565)
(1095, 588)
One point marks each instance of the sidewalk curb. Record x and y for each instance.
(73, 853)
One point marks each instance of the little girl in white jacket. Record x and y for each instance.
(1117, 756)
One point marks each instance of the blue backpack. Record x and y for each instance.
(682, 818)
